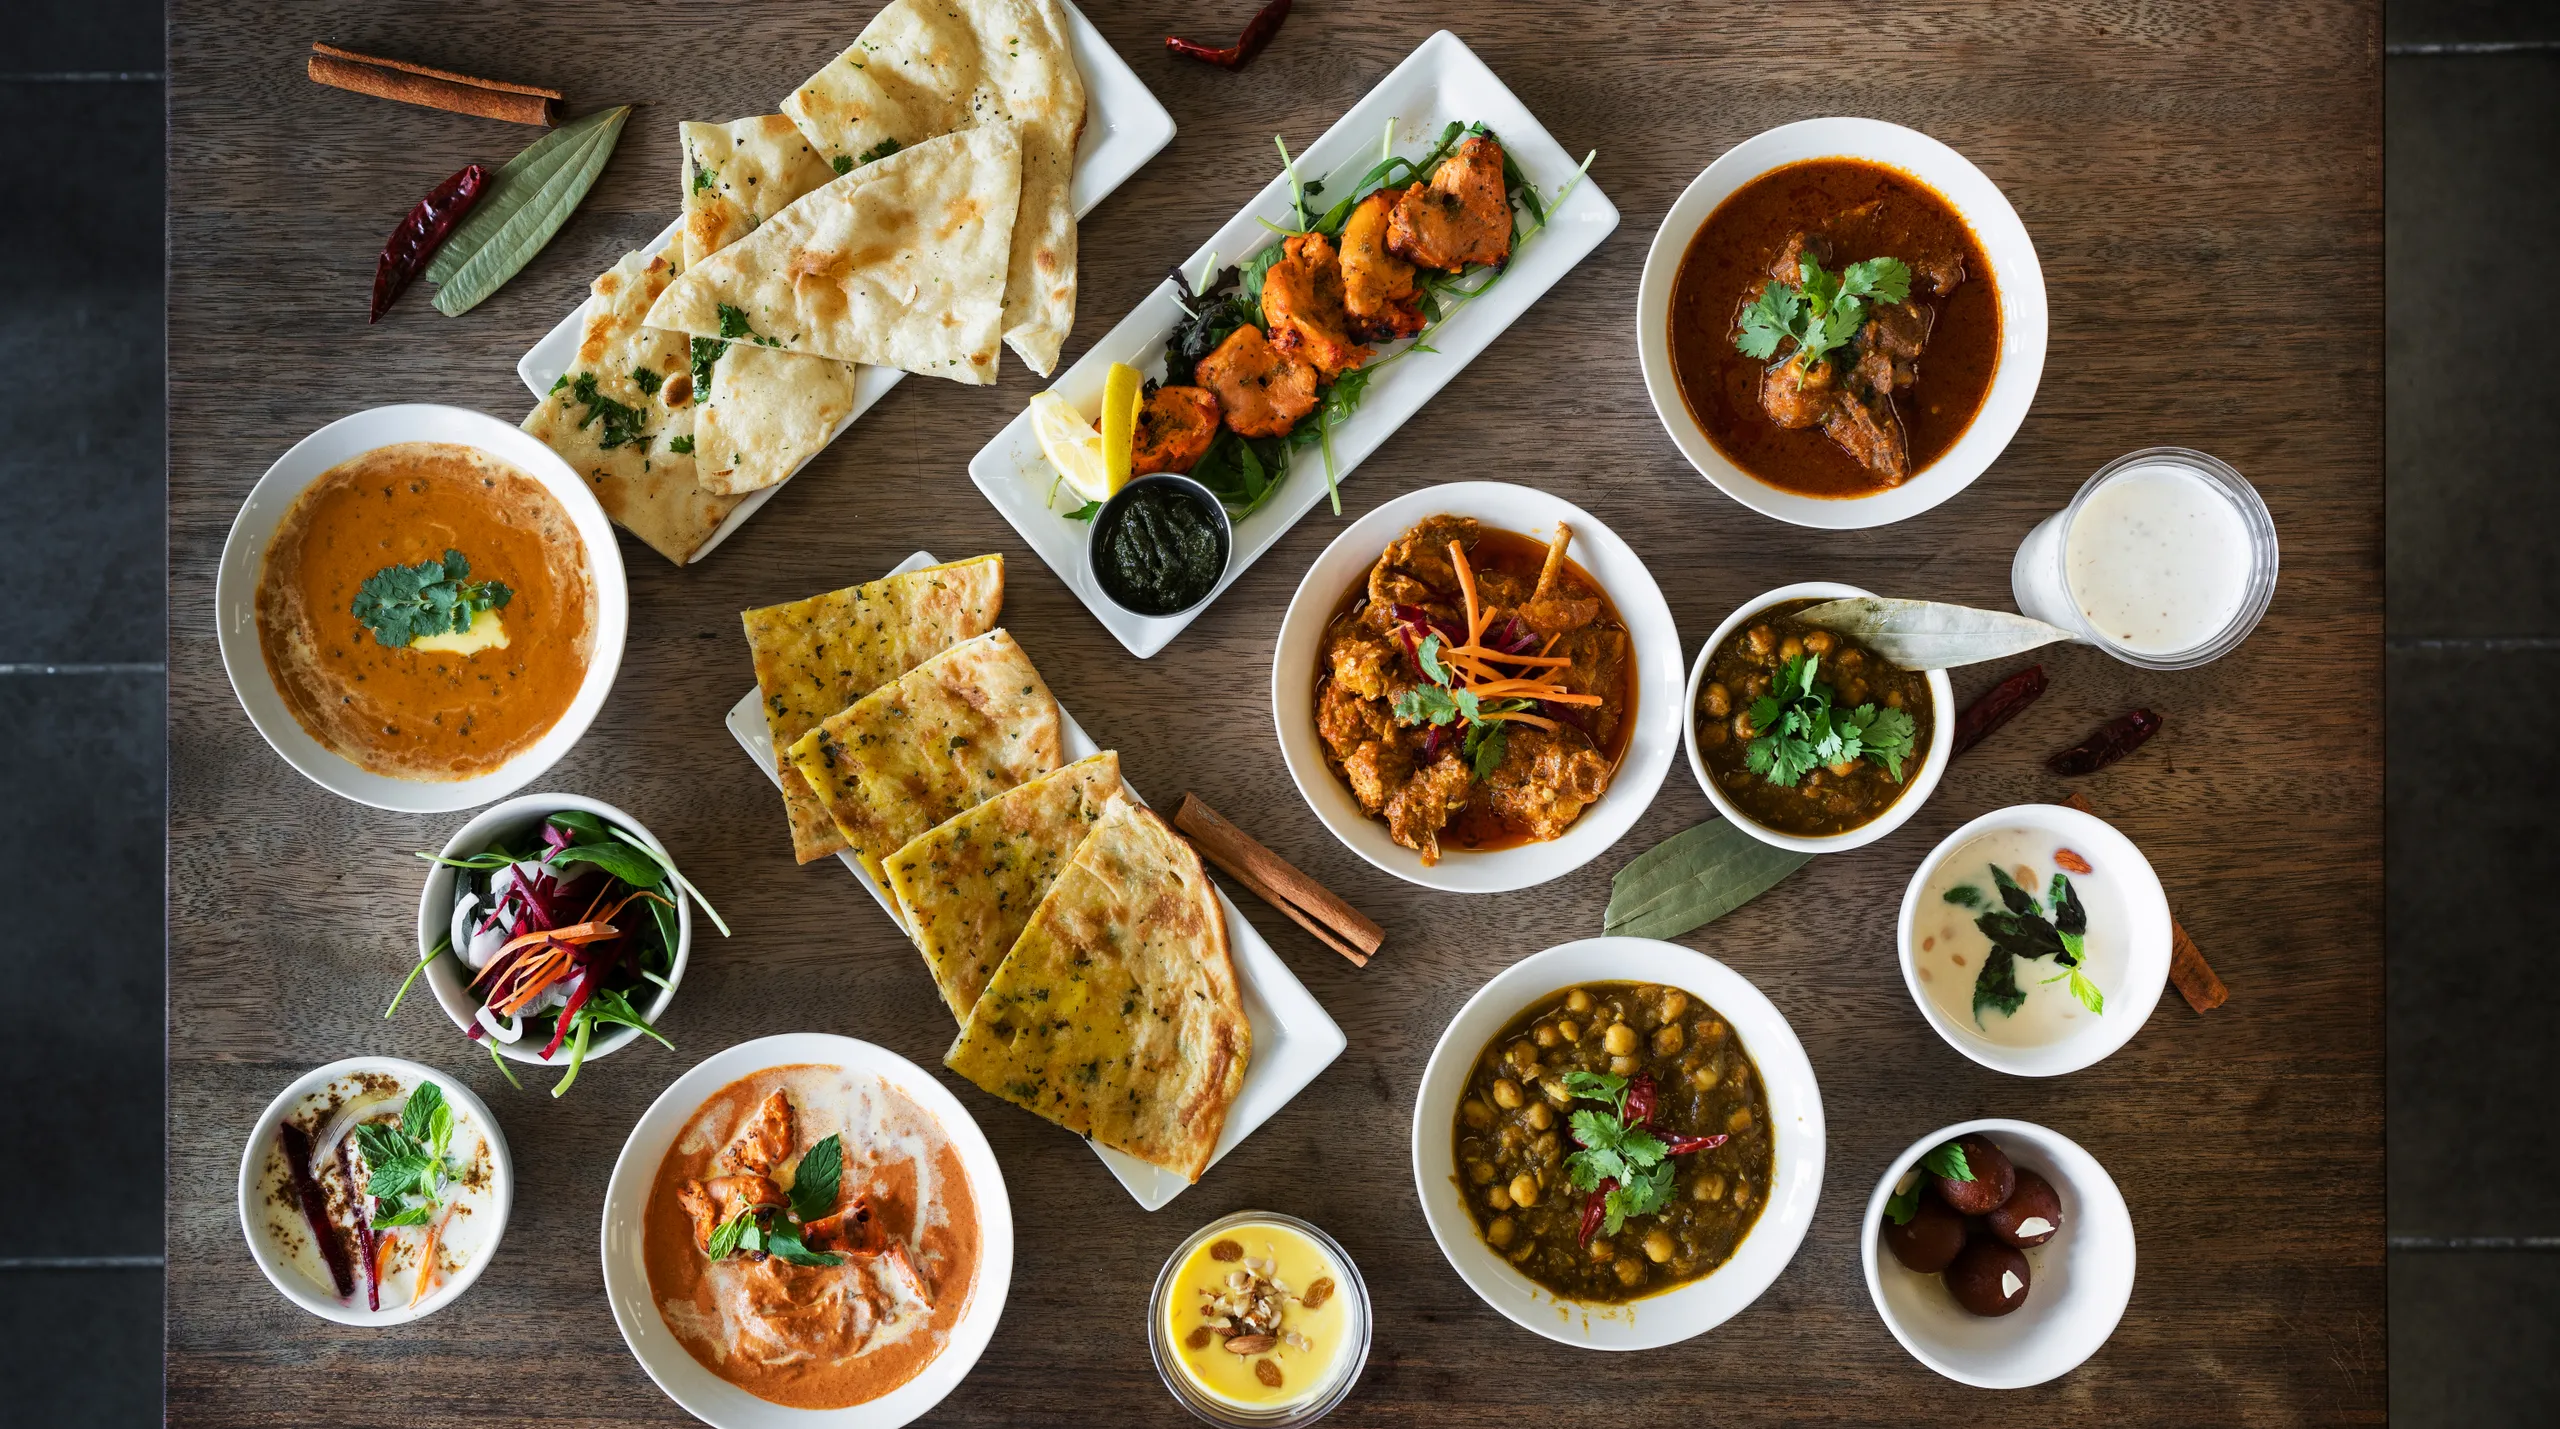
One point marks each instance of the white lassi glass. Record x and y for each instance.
(2041, 577)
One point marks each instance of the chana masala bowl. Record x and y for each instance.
(1618, 1143)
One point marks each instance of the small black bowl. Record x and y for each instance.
(1107, 521)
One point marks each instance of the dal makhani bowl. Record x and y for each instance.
(807, 1229)
(1661, 1057)
(421, 608)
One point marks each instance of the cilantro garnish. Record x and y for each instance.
(1632, 1163)
(646, 380)
(877, 152)
(681, 446)
(775, 1230)
(401, 603)
(706, 351)
(412, 1170)
(704, 178)
(734, 326)
(1800, 729)
(1823, 311)
(843, 163)
(622, 423)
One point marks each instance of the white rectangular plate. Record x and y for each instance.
(1439, 82)
(1124, 128)
(1293, 1037)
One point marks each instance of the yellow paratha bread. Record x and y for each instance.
(946, 736)
(814, 657)
(900, 263)
(1117, 1014)
(739, 174)
(620, 429)
(967, 886)
(924, 68)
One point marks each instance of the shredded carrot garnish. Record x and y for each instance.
(427, 1261)
(574, 933)
(381, 1256)
(1517, 717)
(1531, 690)
(1467, 584)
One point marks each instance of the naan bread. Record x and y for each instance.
(647, 488)
(1117, 1014)
(766, 413)
(946, 736)
(814, 657)
(900, 263)
(739, 174)
(967, 887)
(924, 68)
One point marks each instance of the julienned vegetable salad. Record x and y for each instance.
(571, 932)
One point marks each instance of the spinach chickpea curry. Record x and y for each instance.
(1799, 319)
(1477, 690)
(1614, 1141)
(1806, 731)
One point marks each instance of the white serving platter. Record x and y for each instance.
(1124, 128)
(1293, 1037)
(1439, 82)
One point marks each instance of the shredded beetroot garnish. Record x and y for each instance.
(315, 1208)
(554, 838)
(569, 1013)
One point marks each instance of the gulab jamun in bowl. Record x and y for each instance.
(1999, 1253)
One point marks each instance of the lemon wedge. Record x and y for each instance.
(1119, 421)
(1073, 446)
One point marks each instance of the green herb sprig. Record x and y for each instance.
(401, 603)
(413, 1170)
(1611, 1150)
(2023, 928)
(775, 1230)
(1800, 729)
(1823, 311)
(1945, 1160)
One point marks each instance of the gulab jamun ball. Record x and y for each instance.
(1988, 1278)
(2030, 1216)
(1993, 1178)
(1928, 1242)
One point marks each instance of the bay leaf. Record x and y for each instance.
(1693, 878)
(1930, 635)
(531, 198)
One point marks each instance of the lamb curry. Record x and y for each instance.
(1477, 690)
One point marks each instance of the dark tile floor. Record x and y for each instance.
(2472, 100)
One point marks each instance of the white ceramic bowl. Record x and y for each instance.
(2013, 265)
(1924, 779)
(244, 556)
(714, 1400)
(2146, 943)
(2079, 1281)
(281, 1273)
(1795, 1111)
(512, 823)
(1630, 587)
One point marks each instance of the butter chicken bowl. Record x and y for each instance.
(1841, 323)
(1476, 687)
(806, 1230)
(1854, 744)
(1618, 1143)
(421, 608)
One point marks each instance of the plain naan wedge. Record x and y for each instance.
(924, 68)
(766, 413)
(622, 416)
(739, 174)
(900, 263)
(817, 656)
(967, 886)
(1117, 1014)
(946, 736)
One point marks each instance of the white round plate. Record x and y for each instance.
(2079, 1281)
(715, 1401)
(244, 556)
(511, 820)
(1630, 587)
(281, 1273)
(2013, 266)
(2146, 943)
(1795, 1113)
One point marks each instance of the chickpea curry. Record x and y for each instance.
(1806, 731)
(1614, 1141)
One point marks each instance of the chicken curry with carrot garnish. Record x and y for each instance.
(1477, 690)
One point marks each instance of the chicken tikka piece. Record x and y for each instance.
(1261, 390)
(1302, 305)
(763, 1141)
(1175, 426)
(1462, 216)
(1377, 286)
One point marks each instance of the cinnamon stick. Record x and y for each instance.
(1275, 881)
(2197, 982)
(434, 88)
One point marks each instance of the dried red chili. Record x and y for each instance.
(1997, 707)
(2106, 744)
(1595, 1208)
(406, 251)
(1640, 1097)
(1257, 33)
(1683, 1145)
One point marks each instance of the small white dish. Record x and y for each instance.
(1124, 127)
(1293, 1037)
(244, 554)
(1795, 1114)
(513, 823)
(1441, 82)
(2023, 317)
(310, 1294)
(2080, 1281)
(2146, 972)
(1924, 780)
(707, 1396)
(1630, 587)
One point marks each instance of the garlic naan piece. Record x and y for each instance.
(739, 174)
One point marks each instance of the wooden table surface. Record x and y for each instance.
(2202, 181)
